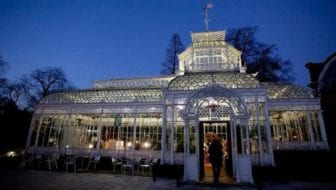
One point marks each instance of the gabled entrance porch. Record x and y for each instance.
(216, 111)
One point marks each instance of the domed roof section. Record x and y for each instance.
(327, 78)
(193, 81)
(209, 52)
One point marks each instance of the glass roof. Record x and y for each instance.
(184, 82)
(193, 81)
(286, 91)
(140, 82)
(104, 96)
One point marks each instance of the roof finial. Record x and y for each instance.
(207, 20)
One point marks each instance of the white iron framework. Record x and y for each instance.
(174, 117)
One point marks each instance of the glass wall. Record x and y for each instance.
(138, 131)
(117, 131)
(82, 131)
(315, 126)
(257, 128)
(48, 131)
(294, 126)
(79, 130)
(175, 129)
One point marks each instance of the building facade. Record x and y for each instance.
(175, 117)
(323, 83)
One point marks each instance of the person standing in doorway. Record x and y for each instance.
(216, 157)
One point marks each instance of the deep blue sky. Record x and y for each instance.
(93, 40)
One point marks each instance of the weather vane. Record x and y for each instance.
(207, 20)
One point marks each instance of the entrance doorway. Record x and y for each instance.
(208, 132)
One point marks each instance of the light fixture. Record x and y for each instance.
(180, 107)
(146, 145)
(11, 154)
(129, 144)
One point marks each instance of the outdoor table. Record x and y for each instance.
(82, 161)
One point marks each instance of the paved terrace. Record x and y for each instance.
(55, 180)
(13, 178)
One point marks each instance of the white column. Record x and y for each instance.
(134, 128)
(234, 150)
(322, 126)
(172, 135)
(68, 127)
(260, 148)
(297, 126)
(31, 128)
(50, 128)
(197, 150)
(310, 130)
(99, 128)
(247, 136)
(38, 131)
(186, 148)
(164, 133)
(245, 123)
(268, 132)
(59, 130)
(241, 137)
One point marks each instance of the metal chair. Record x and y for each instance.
(116, 162)
(26, 161)
(146, 165)
(93, 160)
(70, 161)
(38, 159)
(52, 161)
(128, 166)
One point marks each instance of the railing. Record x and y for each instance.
(92, 152)
(267, 159)
(299, 145)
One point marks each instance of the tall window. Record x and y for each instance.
(140, 131)
(290, 126)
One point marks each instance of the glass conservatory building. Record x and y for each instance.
(175, 117)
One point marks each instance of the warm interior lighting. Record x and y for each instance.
(146, 145)
(179, 107)
(129, 144)
(120, 145)
(11, 154)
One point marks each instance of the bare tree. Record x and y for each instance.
(170, 64)
(13, 91)
(42, 82)
(260, 57)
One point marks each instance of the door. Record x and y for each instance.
(209, 131)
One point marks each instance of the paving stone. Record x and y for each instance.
(51, 180)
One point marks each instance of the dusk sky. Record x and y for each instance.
(97, 40)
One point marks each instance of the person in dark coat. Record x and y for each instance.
(216, 158)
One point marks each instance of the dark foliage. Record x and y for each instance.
(260, 57)
(302, 165)
(170, 64)
(14, 125)
(42, 82)
(15, 122)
